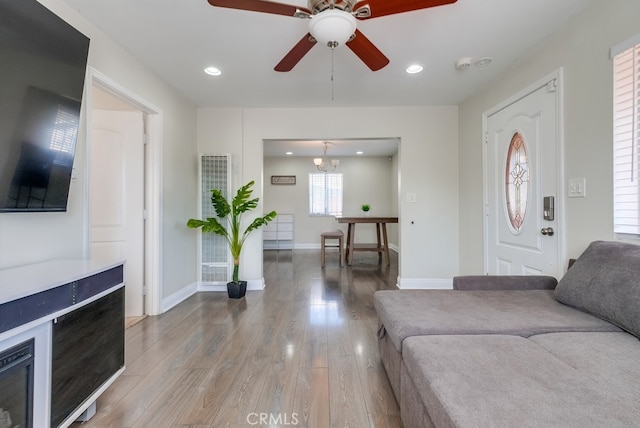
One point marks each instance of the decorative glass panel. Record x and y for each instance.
(215, 260)
(517, 181)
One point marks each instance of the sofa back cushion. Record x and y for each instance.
(605, 282)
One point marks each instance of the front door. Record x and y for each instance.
(522, 176)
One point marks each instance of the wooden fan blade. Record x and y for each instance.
(367, 52)
(385, 7)
(259, 6)
(295, 55)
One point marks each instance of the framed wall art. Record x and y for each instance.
(283, 179)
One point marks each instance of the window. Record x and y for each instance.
(325, 194)
(626, 142)
(517, 181)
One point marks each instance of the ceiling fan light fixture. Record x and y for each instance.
(332, 26)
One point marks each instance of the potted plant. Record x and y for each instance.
(365, 208)
(233, 212)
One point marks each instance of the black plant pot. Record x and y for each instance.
(237, 290)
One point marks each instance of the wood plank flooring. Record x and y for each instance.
(300, 353)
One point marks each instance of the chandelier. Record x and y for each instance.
(323, 163)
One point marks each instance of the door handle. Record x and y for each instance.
(547, 231)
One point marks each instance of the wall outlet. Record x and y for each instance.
(577, 187)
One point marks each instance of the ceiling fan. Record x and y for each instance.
(333, 23)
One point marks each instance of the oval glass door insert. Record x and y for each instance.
(517, 181)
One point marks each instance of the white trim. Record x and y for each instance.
(621, 47)
(179, 296)
(183, 294)
(153, 183)
(425, 283)
(252, 285)
(207, 287)
(256, 284)
(560, 191)
(316, 246)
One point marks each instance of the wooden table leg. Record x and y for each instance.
(350, 238)
(379, 243)
(386, 242)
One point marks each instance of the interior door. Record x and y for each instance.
(521, 186)
(117, 197)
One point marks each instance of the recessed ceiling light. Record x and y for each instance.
(213, 71)
(289, 153)
(415, 68)
(359, 152)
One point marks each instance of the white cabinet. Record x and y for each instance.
(278, 235)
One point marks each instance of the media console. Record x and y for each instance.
(61, 338)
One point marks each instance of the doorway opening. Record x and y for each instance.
(122, 217)
(371, 176)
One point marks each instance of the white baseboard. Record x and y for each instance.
(425, 283)
(178, 297)
(252, 285)
(306, 246)
(392, 247)
(188, 291)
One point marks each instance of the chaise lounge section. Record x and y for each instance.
(519, 351)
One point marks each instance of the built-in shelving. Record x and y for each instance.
(278, 235)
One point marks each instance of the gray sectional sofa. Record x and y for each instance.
(519, 351)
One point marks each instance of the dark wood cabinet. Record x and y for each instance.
(88, 349)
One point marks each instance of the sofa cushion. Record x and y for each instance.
(405, 313)
(504, 282)
(509, 381)
(611, 359)
(605, 282)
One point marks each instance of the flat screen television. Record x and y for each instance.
(43, 63)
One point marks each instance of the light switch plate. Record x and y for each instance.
(577, 188)
(411, 197)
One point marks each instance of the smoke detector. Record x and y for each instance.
(483, 62)
(464, 63)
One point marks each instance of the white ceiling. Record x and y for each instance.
(179, 38)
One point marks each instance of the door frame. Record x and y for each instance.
(153, 120)
(555, 82)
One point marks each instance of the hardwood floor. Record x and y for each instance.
(300, 353)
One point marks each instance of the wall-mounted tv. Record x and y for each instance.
(43, 63)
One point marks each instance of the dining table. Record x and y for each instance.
(382, 244)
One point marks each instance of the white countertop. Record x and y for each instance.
(22, 281)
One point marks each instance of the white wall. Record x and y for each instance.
(366, 180)
(582, 49)
(427, 161)
(29, 238)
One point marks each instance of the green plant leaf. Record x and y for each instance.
(219, 203)
(240, 204)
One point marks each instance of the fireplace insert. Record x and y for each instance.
(16, 386)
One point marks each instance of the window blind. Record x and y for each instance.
(325, 194)
(626, 148)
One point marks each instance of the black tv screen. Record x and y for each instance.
(43, 63)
